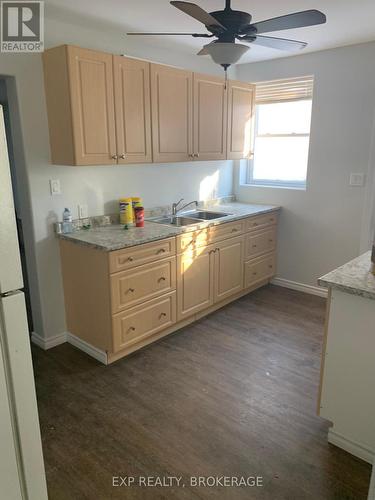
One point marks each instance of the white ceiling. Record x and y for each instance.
(348, 21)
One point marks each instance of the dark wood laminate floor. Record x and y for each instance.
(234, 395)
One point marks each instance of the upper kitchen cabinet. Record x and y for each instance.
(209, 118)
(80, 104)
(172, 120)
(132, 110)
(99, 109)
(241, 109)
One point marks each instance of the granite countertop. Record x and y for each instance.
(355, 277)
(114, 237)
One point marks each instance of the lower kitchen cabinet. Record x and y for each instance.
(228, 274)
(117, 302)
(131, 327)
(195, 281)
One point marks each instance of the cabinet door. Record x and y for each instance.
(171, 97)
(241, 107)
(210, 118)
(228, 268)
(132, 110)
(195, 281)
(91, 87)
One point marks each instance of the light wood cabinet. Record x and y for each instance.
(228, 268)
(172, 120)
(105, 109)
(79, 94)
(210, 118)
(195, 280)
(132, 327)
(98, 107)
(132, 110)
(118, 302)
(241, 109)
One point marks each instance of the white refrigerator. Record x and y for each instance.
(22, 474)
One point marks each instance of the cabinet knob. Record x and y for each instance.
(162, 278)
(163, 315)
(122, 156)
(196, 155)
(114, 157)
(130, 259)
(271, 241)
(191, 155)
(132, 329)
(161, 250)
(132, 290)
(234, 230)
(255, 273)
(270, 266)
(254, 246)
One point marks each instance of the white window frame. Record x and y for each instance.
(250, 163)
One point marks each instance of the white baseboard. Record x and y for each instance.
(49, 342)
(89, 349)
(301, 287)
(356, 449)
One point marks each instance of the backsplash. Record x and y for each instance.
(107, 220)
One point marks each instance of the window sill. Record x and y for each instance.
(273, 186)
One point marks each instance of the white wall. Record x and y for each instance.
(320, 228)
(99, 187)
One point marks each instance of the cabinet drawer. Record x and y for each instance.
(143, 321)
(141, 254)
(226, 230)
(260, 242)
(260, 269)
(190, 241)
(142, 283)
(261, 221)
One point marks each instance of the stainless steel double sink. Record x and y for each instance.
(189, 218)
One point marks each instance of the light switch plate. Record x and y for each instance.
(83, 212)
(357, 180)
(54, 186)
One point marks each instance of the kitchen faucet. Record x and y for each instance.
(175, 208)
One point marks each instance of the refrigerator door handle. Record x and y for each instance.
(10, 269)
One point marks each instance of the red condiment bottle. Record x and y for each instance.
(139, 216)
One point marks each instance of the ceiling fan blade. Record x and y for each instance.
(290, 21)
(279, 43)
(198, 13)
(203, 35)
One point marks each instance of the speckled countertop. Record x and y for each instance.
(355, 277)
(114, 237)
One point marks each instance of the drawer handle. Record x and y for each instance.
(132, 329)
(162, 278)
(254, 246)
(162, 315)
(161, 250)
(132, 290)
(130, 259)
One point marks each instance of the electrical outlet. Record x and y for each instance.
(357, 180)
(83, 212)
(54, 186)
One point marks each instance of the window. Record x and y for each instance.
(282, 133)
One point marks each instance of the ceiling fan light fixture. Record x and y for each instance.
(226, 53)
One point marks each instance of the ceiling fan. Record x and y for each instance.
(227, 25)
